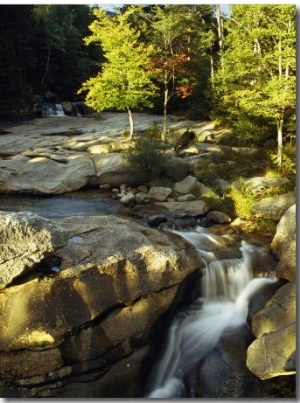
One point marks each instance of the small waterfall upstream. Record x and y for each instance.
(227, 286)
(51, 109)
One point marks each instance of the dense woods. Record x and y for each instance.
(188, 59)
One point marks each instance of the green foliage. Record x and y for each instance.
(256, 83)
(146, 158)
(124, 81)
(288, 165)
(206, 172)
(153, 132)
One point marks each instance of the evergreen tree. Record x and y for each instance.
(124, 81)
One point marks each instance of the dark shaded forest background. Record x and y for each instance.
(44, 59)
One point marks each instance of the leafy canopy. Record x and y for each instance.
(124, 81)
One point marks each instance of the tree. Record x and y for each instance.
(124, 81)
(259, 66)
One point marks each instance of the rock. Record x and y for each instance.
(49, 175)
(194, 207)
(218, 217)
(259, 184)
(273, 207)
(283, 245)
(159, 193)
(186, 185)
(205, 191)
(25, 238)
(222, 186)
(143, 188)
(156, 219)
(100, 149)
(127, 199)
(184, 222)
(141, 198)
(188, 197)
(176, 168)
(112, 168)
(65, 333)
(275, 330)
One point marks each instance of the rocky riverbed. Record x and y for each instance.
(80, 296)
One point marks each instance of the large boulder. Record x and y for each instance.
(194, 207)
(273, 353)
(273, 207)
(176, 168)
(112, 169)
(26, 238)
(283, 246)
(46, 173)
(259, 184)
(88, 324)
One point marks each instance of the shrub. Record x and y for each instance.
(146, 158)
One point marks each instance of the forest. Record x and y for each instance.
(189, 60)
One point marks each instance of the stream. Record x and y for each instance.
(227, 287)
(235, 269)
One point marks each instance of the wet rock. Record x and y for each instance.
(218, 217)
(156, 219)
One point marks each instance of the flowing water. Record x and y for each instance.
(227, 286)
(234, 270)
(51, 109)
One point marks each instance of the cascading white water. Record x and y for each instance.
(49, 109)
(227, 286)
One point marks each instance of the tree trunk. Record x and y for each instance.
(166, 94)
(130, 123)
(279, 140)
(220, 34)
(47, 67)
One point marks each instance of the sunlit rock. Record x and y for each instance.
(25, 238)
(273, 353)
(283, 245)
(273, 207)
(89, 323)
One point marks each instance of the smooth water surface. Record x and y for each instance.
(82, 203)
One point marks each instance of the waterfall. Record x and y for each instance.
(51, 109)
(227, 286)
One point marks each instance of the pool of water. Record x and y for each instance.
(81, 203)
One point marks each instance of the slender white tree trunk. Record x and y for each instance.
(130, 123)
(279, 140)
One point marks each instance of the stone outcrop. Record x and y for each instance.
(48, 173)
(259, 184)
(273, 207)
(273, 353)
(25, 239)
(283, 245)
(275, 325)
(88, 324)
(197, 207)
